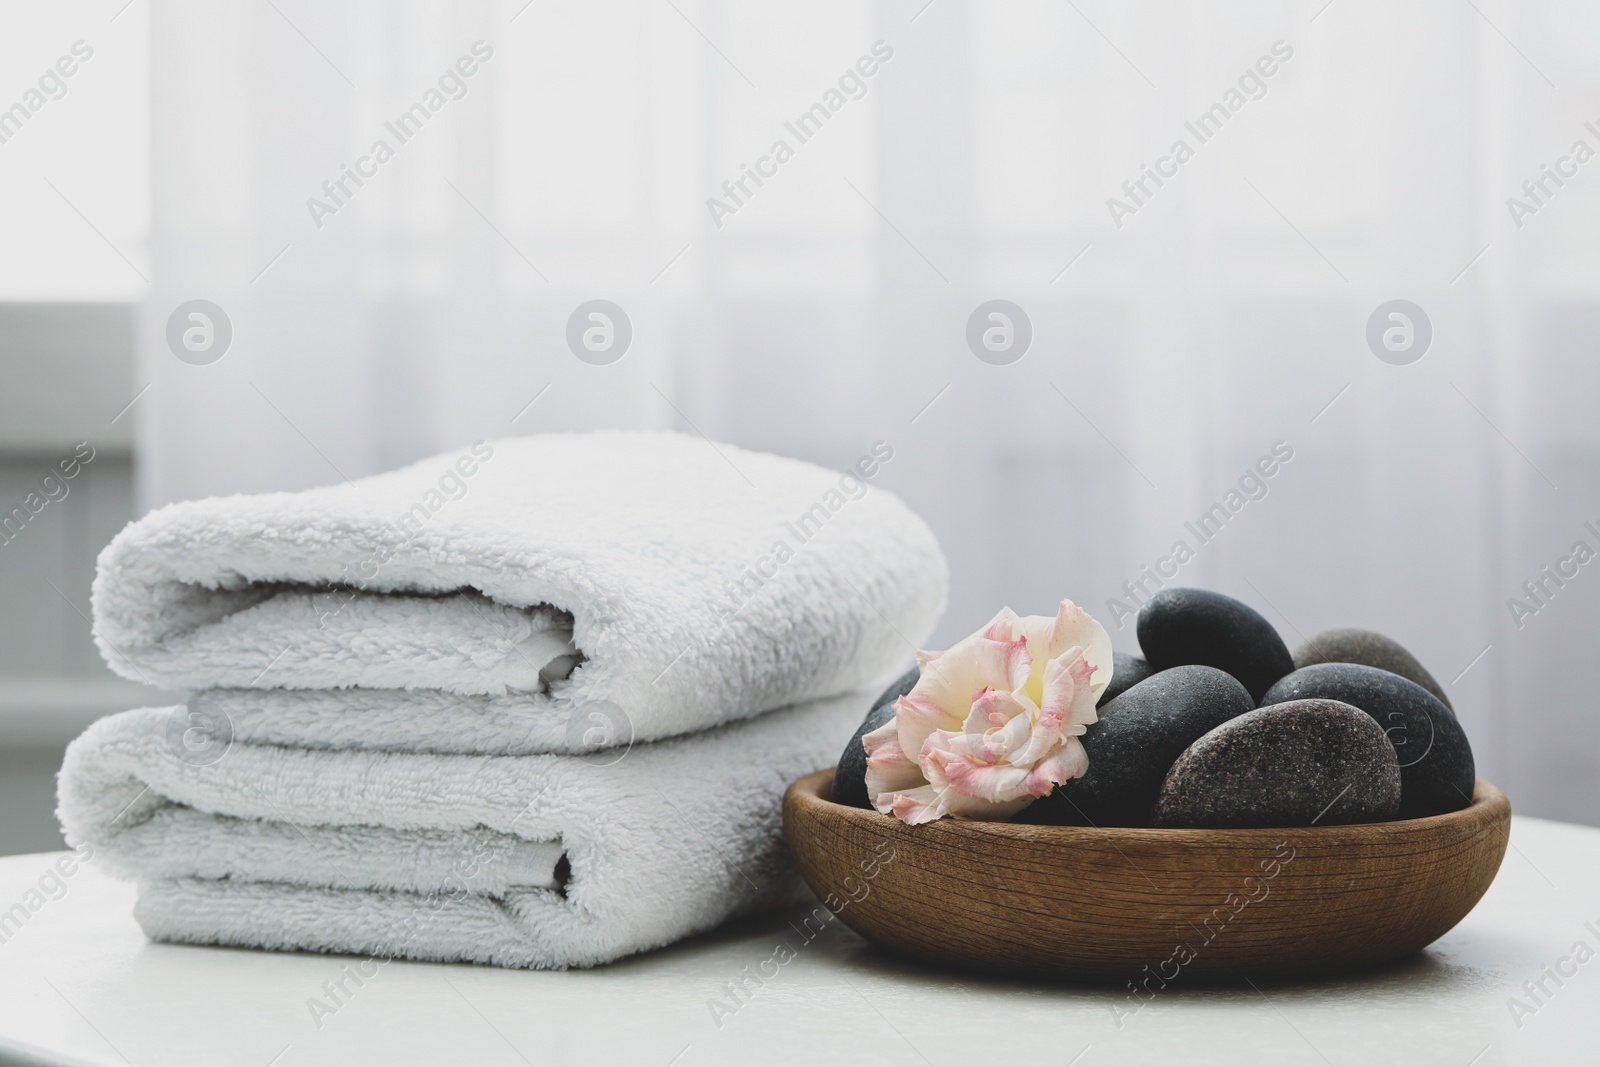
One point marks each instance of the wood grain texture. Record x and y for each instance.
(1082, 903)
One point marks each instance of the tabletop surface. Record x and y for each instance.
(79, 984)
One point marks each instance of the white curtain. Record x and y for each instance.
(1224, 316)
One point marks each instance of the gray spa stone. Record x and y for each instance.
(1183, 626)
(1437, 773)
(1131, 748)
(1300, 763)
(850, 776)
(1350, 645)
(1126, 672)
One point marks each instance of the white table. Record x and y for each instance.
(79, 984)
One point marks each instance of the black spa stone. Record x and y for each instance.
(1126, 672)
(1183, 626)
(1436, 767)
(850, 776)
(899, 687)
(1300, 763)
(1131, 748)
(1350, 645)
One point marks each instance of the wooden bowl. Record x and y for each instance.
(1146, 905)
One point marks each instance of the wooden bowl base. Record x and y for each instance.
(1146, 906)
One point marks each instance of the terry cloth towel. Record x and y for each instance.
(514, 584)
(521, 861)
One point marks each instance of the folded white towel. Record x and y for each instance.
(687, 583)
(522, 861)
(395, 677)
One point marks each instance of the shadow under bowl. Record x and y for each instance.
(1097, 904)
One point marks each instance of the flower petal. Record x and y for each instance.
(912, 806)
(1069, 692)
(994, 721)
(994, 782)
(942, 698)
(965, 807)
(888, 767)
(1003, 627)
(1069, 760)
(1049, 638)
(995, 708)
(1040, 741)
(951, 768)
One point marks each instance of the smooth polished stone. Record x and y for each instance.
(1350, 645)
(1302, 763)
(1126, 672)
(1436, 766)
(1131, 748)
(1183, 626)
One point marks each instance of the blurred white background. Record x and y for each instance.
(1226, 313)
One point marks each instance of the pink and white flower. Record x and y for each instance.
(994, 722)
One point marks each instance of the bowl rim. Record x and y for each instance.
(1488, 805)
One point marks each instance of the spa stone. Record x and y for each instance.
(1301, 763)
(1131, 748)
(1350, 645)
(899, 687)
(850, 776)
(1184, 626)
(1436, 767)
(1126, 672)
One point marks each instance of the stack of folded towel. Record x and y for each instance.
(533, 704)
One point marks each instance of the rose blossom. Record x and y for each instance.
(994, 721)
